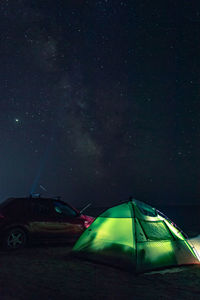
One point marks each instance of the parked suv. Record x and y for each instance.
(39, 219)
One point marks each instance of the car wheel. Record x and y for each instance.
(15, 238)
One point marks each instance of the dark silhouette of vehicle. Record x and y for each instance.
(38, 219)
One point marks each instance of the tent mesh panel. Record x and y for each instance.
(156, 230)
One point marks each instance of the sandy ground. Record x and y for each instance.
(49, 273)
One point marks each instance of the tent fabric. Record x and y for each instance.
(136, 236)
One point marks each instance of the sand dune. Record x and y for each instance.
(50, 273)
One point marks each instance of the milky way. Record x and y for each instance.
(100, 100)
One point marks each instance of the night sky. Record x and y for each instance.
(100, 100)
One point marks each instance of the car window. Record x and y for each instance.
(64, 209)
(42, 208)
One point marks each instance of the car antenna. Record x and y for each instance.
(43, 188)
(85, 207)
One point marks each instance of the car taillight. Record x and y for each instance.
(87, 224)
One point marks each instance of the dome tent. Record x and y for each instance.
(135, 236)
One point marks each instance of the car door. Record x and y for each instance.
(43, 223)
(70, 223)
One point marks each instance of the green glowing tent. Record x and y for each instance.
(136, 236)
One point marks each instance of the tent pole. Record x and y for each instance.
(134, 231)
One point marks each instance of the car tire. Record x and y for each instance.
(15, 238)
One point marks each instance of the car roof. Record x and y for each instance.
(11, 199)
